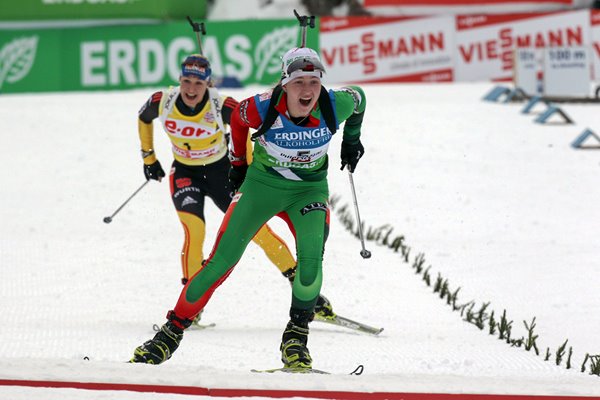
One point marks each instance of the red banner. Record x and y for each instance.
(378, 3)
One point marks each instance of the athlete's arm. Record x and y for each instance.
(350, 105)
(244, 116)
(229, 104)
(146, 115)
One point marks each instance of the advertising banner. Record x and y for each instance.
(28, 10)
(486, 43)
(446, 7)
(122, 57)
(403, 49)
(595, 54)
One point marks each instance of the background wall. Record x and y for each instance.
(106, 54)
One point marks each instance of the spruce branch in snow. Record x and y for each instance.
(481, 316)
(418, 263)
(437, 287)
(426, 276)
(454, 299)
(505, 327)
(561, 352)
(381, 236)
(595, 365)
(530, 343)
(492, 324)
(587, 356)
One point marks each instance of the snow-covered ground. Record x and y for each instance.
(500, 206)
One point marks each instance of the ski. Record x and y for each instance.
(289, 370)
(194, 327)
(348, 323)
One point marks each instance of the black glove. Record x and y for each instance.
(350, 154)
(154, 171)
(237, 174)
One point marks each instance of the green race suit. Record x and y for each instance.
(287, 178)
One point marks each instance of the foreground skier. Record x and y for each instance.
(288, 177)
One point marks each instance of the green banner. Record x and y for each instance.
(28, 10)
(117, 57)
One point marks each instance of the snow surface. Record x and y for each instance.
(500, 206)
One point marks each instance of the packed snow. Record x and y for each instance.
(501, 207)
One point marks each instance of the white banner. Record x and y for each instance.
(596, 44)
(402, 49)
(486, 43)
(567, 72)
(527, 70)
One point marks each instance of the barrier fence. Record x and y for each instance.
(473, 47)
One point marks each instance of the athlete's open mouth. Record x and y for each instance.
(305, 102)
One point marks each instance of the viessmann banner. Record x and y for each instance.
(595, 53)
(475, 47)
(403, 49)
(486, 43)
(115, 57)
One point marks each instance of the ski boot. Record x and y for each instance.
(162, 346)
(294, 353)
(323, 309)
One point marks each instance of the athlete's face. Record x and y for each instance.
(302, 95)
(192, 90)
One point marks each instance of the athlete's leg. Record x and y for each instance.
(188, 198)
(309, 217)
(275, 249)
(250, 208)
(220, 191)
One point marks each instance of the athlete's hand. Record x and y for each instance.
(154, 171)
(237, 174)
(350, 154)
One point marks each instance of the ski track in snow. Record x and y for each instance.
(500, 206)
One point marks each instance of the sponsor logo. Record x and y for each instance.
(187, 130)
(318, 206)
(183, 182)
(468, 21)
(303, 157)
(370, 49)
(186, 190)
(265, 95)
(277, 124)
(244, 112)
(17, 58)
(503, 46)
(270, 48)
(235, 198)
(316, 133)
(209, 117)
(187, 201)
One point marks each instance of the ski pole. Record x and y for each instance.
(364, 252)
(198, 28)
(108, 220)
(304, 22)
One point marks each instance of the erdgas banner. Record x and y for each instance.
(115, 57)
(37, 10)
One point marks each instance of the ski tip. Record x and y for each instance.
(358, 370)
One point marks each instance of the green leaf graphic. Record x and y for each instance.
(267, 55)
(16, 59)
